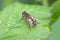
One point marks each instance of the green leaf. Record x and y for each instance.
(55, 9)
(12, 29)
(55, 28)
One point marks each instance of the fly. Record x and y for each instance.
(30, 19)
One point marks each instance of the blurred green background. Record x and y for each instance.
(4, 3)
(54, 6)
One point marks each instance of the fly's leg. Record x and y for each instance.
(21, 20)
(30, 27)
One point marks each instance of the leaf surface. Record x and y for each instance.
(11, 28)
